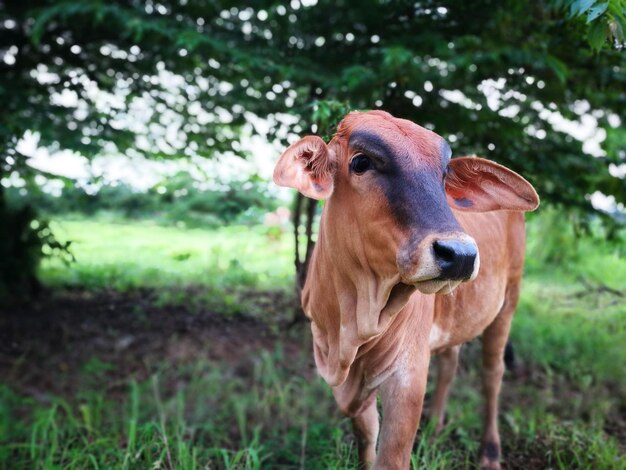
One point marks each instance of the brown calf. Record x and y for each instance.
(403, 222)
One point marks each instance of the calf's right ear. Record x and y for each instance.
(308, 166)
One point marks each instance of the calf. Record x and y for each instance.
(400, 234)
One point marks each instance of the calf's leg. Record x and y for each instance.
(365, 427)
(447, 362)
(494, 342)
(402, 398)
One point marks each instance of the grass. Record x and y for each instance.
(269, 419)
(563, 409)
(213, 416)
(128, 255)
(217, 265)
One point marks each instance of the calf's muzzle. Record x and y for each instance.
(438, 262)
(455, 258)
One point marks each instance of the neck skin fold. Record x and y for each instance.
(348, 300)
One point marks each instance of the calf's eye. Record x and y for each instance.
(360, 164)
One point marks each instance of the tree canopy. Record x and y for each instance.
(179, 78)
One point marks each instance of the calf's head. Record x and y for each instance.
(390, 185)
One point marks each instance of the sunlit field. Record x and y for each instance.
(180, 352)
(123, 255)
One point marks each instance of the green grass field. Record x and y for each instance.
(241, 393)
(126, 255)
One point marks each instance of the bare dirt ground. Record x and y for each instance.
(44, 344)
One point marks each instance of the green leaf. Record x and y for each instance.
(597, 35)
(558, 67)
(617, 24)
(579, 7)
(41, 22)
(596, 11)
(617, 7)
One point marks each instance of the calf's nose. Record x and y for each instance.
(455, 258)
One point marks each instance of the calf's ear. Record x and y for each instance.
(480, 185)
(308, 166)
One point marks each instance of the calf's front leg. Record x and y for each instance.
(402, 399)
(366, 426)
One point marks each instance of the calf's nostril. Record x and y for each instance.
(455, 259)
(443, 251)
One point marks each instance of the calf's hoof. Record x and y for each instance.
(490, 456)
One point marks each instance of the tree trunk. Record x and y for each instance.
(303, 216)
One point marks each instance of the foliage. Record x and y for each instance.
(605, 19)
(173, 78)
(180, 199)
(243, 201)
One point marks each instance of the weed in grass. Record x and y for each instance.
(430, 450)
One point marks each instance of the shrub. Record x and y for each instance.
(178, 199)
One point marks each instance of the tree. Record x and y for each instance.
(176, 78)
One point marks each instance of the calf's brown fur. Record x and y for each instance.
(404, 226)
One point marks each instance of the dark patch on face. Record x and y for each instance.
(371, 145)
(463, 202)
(416, 194)
(491, 450)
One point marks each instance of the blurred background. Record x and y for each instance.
(149, 268)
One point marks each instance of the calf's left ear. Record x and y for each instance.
(308, 166)
(480, 185)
